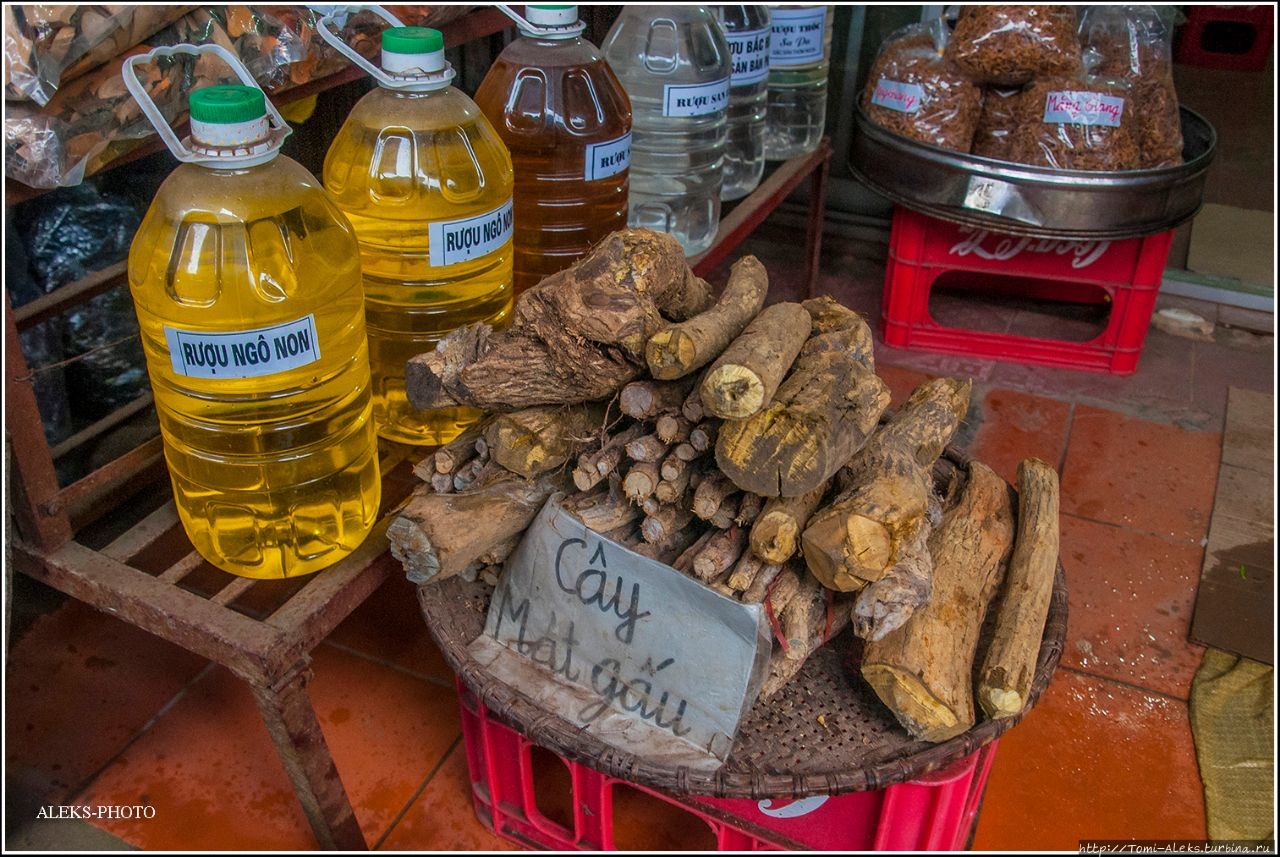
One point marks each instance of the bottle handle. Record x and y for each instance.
(339, 15)
(279, 127)
(534, 29)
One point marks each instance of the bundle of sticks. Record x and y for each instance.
(745, 446)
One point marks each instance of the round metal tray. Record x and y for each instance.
(1035, 201)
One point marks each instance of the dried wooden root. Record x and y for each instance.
(577, 336)
(535, 440)
(1004, 682)
(647, 398)
(854, 540)
(721, 552)
(603, 510)
(745, 376)
(775, 535)
(451, 455)
(679, 349)
(825, 620)
(820, 416)
(435, 536)
(923, 671)
(595, 466)
(641, 480)
(886, 604)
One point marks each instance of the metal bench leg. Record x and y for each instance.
(295, 730)
(817, 215)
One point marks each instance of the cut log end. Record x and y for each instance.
(922, 714)
(732, 392)
(998, 703)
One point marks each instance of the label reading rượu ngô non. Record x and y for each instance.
(243, 353)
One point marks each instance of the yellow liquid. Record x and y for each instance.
(275, 474)
(550, 100)
(402, 161)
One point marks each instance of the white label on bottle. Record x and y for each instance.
(695, 99)
(798, 36)
(750, 54)
(1083, 108)
(454, 241)
(903, 97)
(244, 353)
(608, 159)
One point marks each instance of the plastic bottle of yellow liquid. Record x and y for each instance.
(246, 282)
(427, 185)
(567, 122)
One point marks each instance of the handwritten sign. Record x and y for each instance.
(635, 653)
(1083, 108)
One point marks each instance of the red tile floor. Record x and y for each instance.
(101, 714)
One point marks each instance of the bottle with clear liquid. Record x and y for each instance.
(673, 62)
(427, 184)
(566, 120)
(799, 58)
(246, 282)
(746, 29)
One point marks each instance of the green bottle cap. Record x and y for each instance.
(412, 40)
(227, 104)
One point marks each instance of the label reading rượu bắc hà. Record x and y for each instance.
(749, 52)
(243, 353)
(467, 238)
(607, 159)
(798, 36)
(1078, 107)
(894, 95)
(695, 99)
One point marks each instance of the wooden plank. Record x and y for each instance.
(248, 648)
(131, 542)
(330, 596)
(1235, 602)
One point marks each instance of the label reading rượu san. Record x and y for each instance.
(454, 241)
(243, 353)
(607, 159)
(695, 99)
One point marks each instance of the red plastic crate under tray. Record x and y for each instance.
(934, 812)
(923, 251)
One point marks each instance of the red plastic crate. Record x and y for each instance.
(925, 251)
(1236, 38)
(935, 812)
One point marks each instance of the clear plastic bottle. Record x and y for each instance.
(799, 58)
(746, 28)
(674, 63)
(427, 184)
(246, 281)
(566, 120)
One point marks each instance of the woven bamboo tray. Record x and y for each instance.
(825, 732)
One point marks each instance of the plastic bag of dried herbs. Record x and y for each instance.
(1133, 43)
(1076, 122)
(915, 91)
(1011, 45)
(46, 45)
(997, 121)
